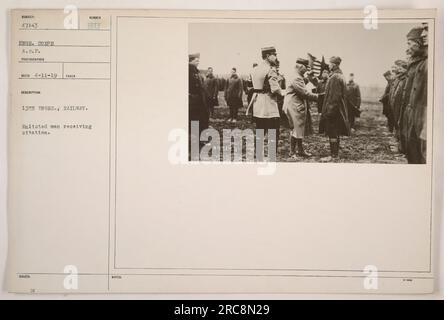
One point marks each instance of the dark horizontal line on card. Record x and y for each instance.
(49, 29)
(64, 78)
(220, 275)
(31, 61)
(66, 45)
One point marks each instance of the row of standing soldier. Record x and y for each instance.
(337, 100)
(405, 97)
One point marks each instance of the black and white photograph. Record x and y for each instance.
(304, 161)
(308, 92)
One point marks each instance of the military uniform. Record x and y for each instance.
(353, 99)
(297, 109)
(233, 95)
(211, 87)
(266, 86)
(415, 114)
(415, 100)
(266, 89)
(248, 83)
(334, 119)
(396, 95)
(197, 108)
(320, 90)
(280, 100)
(386, 108)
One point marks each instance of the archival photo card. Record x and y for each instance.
(221, 151)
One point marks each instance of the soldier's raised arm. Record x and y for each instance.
(301, 91)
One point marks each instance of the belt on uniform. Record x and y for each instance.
(253, 99)
(259, 91)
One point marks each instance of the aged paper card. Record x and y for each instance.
(112, 189)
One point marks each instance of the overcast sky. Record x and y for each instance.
(367, 53)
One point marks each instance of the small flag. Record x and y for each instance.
(315, 65)
(324, 66)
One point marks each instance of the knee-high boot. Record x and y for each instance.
(334, 147)
(301, 151)
(292, 145)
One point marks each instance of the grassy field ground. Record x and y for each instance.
(370, 143)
